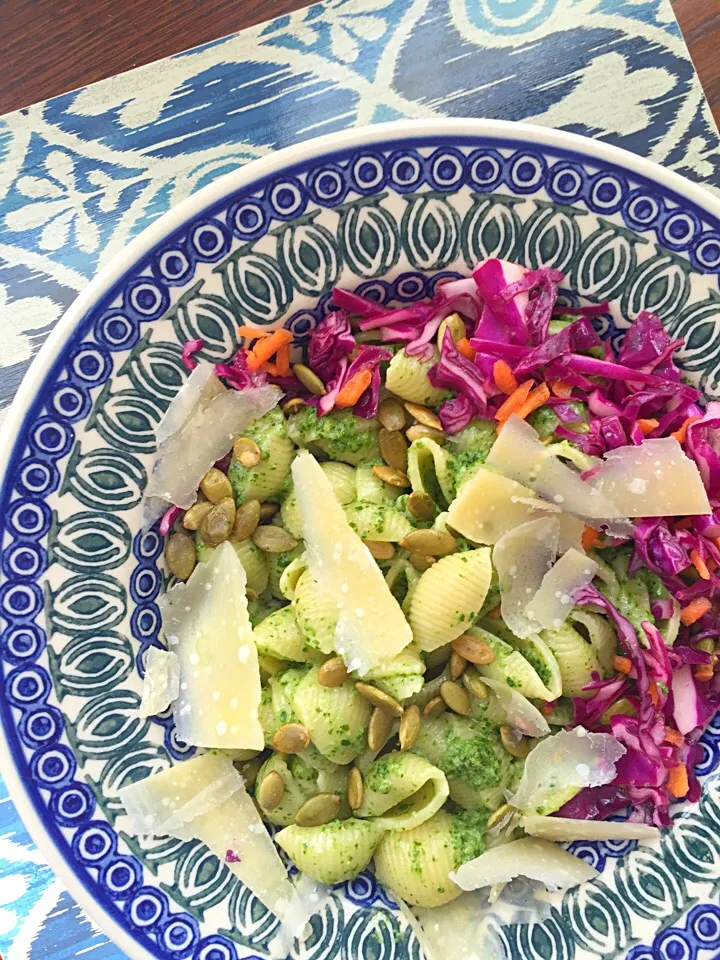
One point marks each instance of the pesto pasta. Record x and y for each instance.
(402, 790)
(407, 378)
(267, 479)
(415, 864)
(332, 852)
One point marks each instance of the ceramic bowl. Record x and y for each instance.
(388, 210)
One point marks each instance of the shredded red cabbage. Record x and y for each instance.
(190, 348)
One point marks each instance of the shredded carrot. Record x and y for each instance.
(647, 425)
(494, 614)
(270, 367)
(560, 388)
(589, 538)
(622, 664)
(547, 709)
(252, 333)
(283, 361)
(504, 377)
(463, 346)
(716, 541)
(674, 737)
(677, 781)
(699, 564)
(536, 398)
(694, 610)
(681, 432)
(683, 524)
(703, 672)
(516, 399)
(265, 348)
(354, 389)
(653, 693)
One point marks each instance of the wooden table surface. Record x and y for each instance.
(48, 48)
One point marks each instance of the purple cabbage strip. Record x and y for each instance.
(702, 443)
(493, 286)
(356, 304)
(648, 347)
(329, 342)
(658, 549)
(456, 372)
(578, 336)
(455, 414)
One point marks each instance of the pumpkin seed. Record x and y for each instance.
(421, 506)
(394, 448)
(247, 451)
(424, 415)
(271, 791)
(273, 539)
(320, 809)
(455, 697)
(380, 549)
(419, 432)
(514, 742)
(355, 789)
(396, 478)
(457, 665)
(268, 511)
(309, 379)
(250, 769)
(421, 562)
(378, 698)
(333, 673)
(474, 649)
(379, 729)
(180, 555)
(431, 543)
(216, 527)
(291, 738)
(215, 485)
(502, 811)
(196, 514)
(247, 518)
(472, 681)
(434, 707)
(409, 727)
(391, 414)
(455, 324)
(292, 406)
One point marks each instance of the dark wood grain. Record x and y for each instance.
(699, 21)
(48, 47)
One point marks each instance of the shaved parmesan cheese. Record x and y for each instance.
(371, 626)
(193, 397)
(489, 505)
(161, 683)
(187, 455)
(205, 799)
(560, 484)
(564, 829)
(535, 859)
(466, 922)
(571, 531)
(518, 452)
(207, 624)
(519, 712)
(655, 479)
(522, 557)
(553, 602)
(560, 766)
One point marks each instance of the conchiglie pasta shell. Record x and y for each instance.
(337, 717)
(334, 852)
(278, 635)
(256, 568)
(342, 478)
(378, 521)
(429, 471)
(407, 377)
(448, 597)
(316, 613)
(415, 864)
(576, 658)
(402, 790)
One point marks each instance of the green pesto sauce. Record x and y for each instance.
(378, 775)
(472, 446)
(263, 430)
(467, 834)
(340, 434)
(545, 421)
(538, 664)
(474, 760)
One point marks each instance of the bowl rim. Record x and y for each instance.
(174, 219)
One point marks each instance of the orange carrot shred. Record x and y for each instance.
(547, 709)
(463, 346)
(265, 348)
(681, 432)
(703, 672)
(354, 389)
(589, 538)
(647, 425)
(653, 693)
(677, 781)
(684, 524)
(699, 565)
(674, 737)
(516, 399)
(536, 398)
(560, 388)
(283, 361)
(494, 614)
(694, 610)
(252, 333)
(716, 541)
(504, 377)
(622, 664)
(270, 367)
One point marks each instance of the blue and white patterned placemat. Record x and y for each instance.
(82, 174)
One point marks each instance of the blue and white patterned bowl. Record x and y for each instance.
(387, 209)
